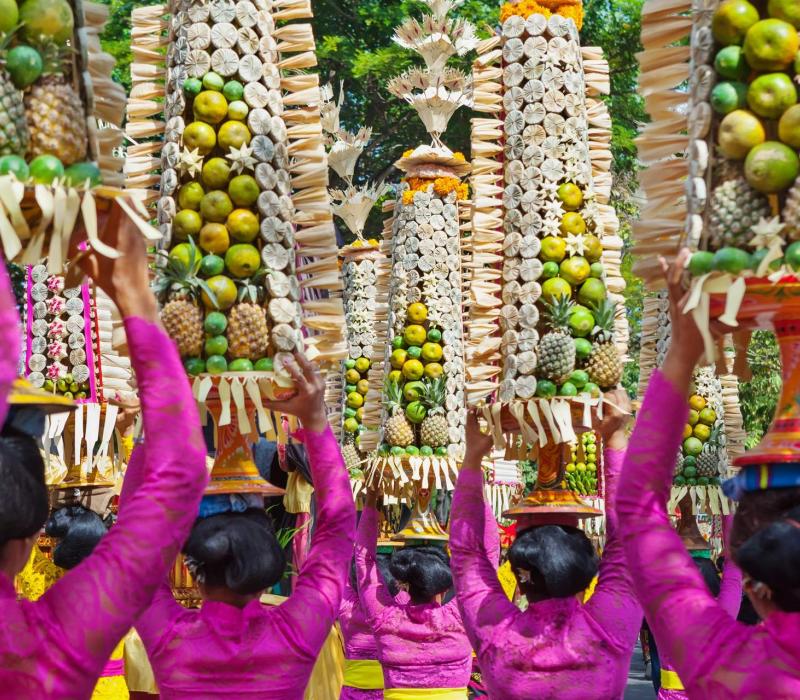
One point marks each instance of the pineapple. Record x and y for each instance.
(791, 212)
(708, 460)
(557, 348)
(181, 314)
(433, 430)
(735, 207)
(14, 136)
(352, 459)
(397, 430)
(56, 116)
(247, 332)
(604, 366)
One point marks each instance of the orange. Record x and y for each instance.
(181, 253)
(731, 21)
(431, 352)
(696, 402)
(592, 248)
(210, 106)
(214, 238)
(572, 222)
(362, 386)
(701, 432)
(233, 134)
(575, 270)
(434, 370)
(571, 196)
(187, 223)
(553, 249)
(687, 431)
(592, 292)
(242, 225)
(413, 370)
(190, 195)
(789, 127)
(740, 131)
(556, 287)
(216, 173)
(201, 136)
(398, 358)
(225, 291)
(415, 334)
(417, 312)
(215, 206)
(244, 190)
(352, 376)
(243, 260)
(771, 167)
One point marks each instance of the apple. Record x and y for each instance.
(771, 94)
(732, 20)
(740, 131)
(787, 10)
(771, 45)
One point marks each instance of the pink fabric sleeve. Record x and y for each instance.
(9, 340)
(683, 615)
(614, 602)
(372, 592)
(314, 604)
(97, 602)
(730, 590)
(475, 554)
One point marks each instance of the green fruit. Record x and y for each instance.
(597, 270)
(192, 86)
(732, 20)
(215, 323)
(241, 364)
(416, 412)
(216, 345)
(24, 65)
(581, 322)
(440, 452)
(398, 343)
(9, 15)
(383, 451)
(397, 451)
(413, 390)
(349, 363)
(692, 446)
(732, 260)
(556, 287)
(265, 364)
(46, 19)
(426, 450)
(238, 110)
(679, 480)
(730, 63)
(350, 425)
(78, 174)
(350, 389)
(549, 270)
(350, 412)
(690, 472)
(243, 190)
(728, 96)
(415, 352)
(702, 481)
(592, 292)
(739, 132)
(701, 263)
(575, 270)
(792, 255)
(213, 81)
(233, 90)
(689, 461)
(545, 389)
(579, 378)
(593, 390)
(789, 126)
(194, 365)
(787, 10)
(771, 167)
(583, 348)
(770, 95)
(212, 265)
(771, 44)
(216, 364)
(434, 335)
(568, 389)
(45, 169)
(412, 450)
(16, 165)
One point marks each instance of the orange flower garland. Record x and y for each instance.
(441, 186)
(571, 9)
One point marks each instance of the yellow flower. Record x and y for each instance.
(408, 197)
(458, 155)
(407, 153)
(573, 12)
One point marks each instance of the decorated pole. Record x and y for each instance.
(233, 157)
(548, 332)
(416, 384)
(731, 192)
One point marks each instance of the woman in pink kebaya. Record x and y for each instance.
(714, 656)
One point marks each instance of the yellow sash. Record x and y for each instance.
(416, 693)
(670, 680)
(363, 674)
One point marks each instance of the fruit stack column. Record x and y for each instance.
(251, 271)
(559, 315)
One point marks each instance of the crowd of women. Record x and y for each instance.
(413, 623)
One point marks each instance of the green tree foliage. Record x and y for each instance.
(759, 396)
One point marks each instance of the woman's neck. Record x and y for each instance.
(222, 594)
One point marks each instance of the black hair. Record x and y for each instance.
(709, 573)
(79, 530)
(560, 558)
(426, 570)
(772, 556)
(236, 550)
(758, 509)
(23, 495)
(383, 562)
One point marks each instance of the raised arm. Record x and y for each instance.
(730, 590)
(685, 618)
(9, 340)
(97, 602)
(475, 546)
(372, 591)
(614, 602)
(314, 604)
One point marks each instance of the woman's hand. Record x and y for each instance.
(125, 279)
(373, 495)
(479, 444)
(308, 403)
